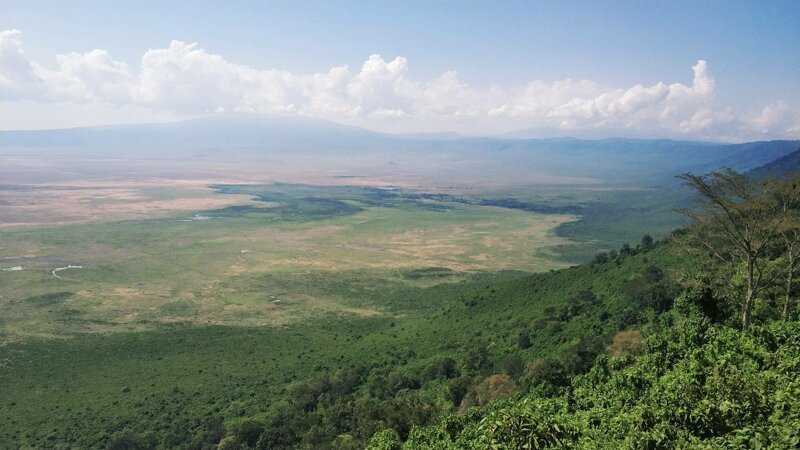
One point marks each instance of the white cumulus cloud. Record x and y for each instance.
(183, 78)
(18, 78)
(776, 117)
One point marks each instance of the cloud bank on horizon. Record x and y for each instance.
(185, 79)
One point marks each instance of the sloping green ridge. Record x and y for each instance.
(694, 386)
(696, 383)
(785, 165)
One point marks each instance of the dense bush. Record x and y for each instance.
(695, 385)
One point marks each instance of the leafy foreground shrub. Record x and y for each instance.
(694, 385)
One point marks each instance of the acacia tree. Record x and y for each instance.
(791, 244)
(738, 220)
(790, 236)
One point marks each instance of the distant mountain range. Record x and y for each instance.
(257, 138)
(782, 166)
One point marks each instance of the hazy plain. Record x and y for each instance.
(136, 254)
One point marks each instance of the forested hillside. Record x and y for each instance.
(718, 368)
(784, 165)
(692, 384)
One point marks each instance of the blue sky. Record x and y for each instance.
(751, 52)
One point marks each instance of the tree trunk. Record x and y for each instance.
(785, 313)
(748, 301)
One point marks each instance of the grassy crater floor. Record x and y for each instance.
(292, 257)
